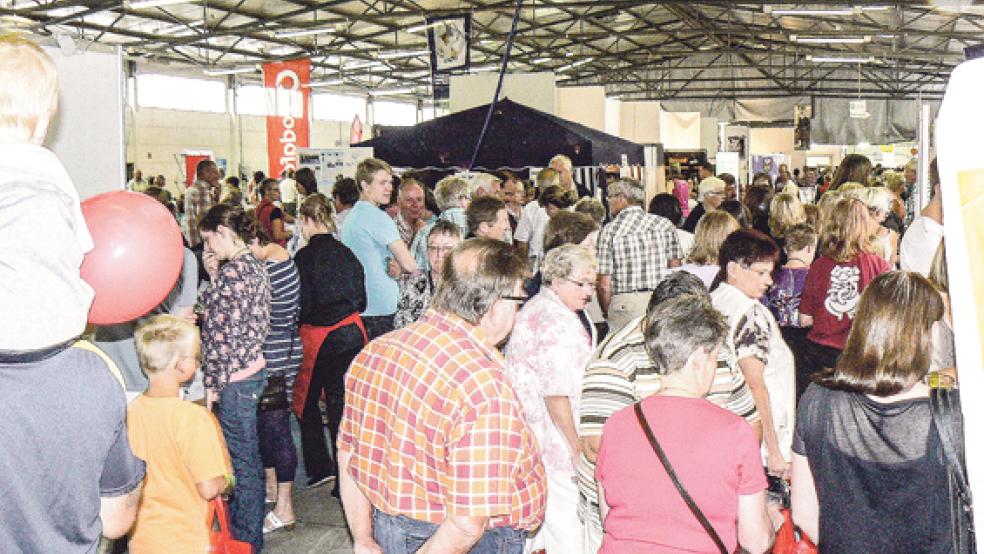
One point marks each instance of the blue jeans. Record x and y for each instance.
(237, 416)
(402, 535)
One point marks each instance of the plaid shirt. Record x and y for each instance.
(636, 249)
(435, 428)
(197, 201)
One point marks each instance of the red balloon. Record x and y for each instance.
(137, 256)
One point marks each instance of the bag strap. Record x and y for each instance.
(676, 481)
(217, 507)
(949, 427)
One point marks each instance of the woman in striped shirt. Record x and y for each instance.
(282, 351)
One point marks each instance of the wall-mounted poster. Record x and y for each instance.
(737, 144)
(728, 162)
(449, 39)
(767, 163)
(329, 164)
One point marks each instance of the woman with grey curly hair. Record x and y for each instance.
(545, 360)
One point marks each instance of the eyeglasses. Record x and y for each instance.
(436, 249)
(583, 285)
(519, 299)
(614, 195)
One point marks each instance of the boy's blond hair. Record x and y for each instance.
(163, 340)
(28, 89)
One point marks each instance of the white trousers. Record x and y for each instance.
(561, 532)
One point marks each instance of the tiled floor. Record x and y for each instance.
(320, 526)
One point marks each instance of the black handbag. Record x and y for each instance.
(945, 405)
(274, 394)
(676, 481)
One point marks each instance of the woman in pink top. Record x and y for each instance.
(714, 453)
(681, 190)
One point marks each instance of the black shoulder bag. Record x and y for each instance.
(676, 481)
(947, 419)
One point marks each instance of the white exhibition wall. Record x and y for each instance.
(584, 105)
(535, 90)
(87, 132)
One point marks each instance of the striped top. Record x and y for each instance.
(282, 348)
(621, 374)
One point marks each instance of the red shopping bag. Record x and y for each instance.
(791, 540)
(219, 532)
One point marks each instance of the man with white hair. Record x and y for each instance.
(453, 196)
(635, 252)
(484, 184)
(710, 196)
(565, 168)
(408, 220)
(61, 400)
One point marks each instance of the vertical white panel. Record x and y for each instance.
(87, 133)
(962, 182)
(613, 117)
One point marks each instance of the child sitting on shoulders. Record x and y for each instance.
(187, 460)
(783, 299)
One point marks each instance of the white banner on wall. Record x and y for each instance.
(329, 164)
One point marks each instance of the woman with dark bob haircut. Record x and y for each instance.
(666, 205)
(868, 471)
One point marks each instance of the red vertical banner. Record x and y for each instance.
(288, 103)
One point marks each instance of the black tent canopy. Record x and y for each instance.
(518, 137)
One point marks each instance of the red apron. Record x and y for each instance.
(312, 337)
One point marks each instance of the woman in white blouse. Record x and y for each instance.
(546, 356)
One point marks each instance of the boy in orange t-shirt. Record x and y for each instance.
(187, 460)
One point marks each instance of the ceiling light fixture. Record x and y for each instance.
(303, 32)
(230, 71)
(362, 65)
(181, 27)
(576, 64)
(484, 68)
(810, 11)
(390, 92)
(396, 55)
(825, 59)
(830, 40)
(418, 28)
(139, 4)
(541, 60)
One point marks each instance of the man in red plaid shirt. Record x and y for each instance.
(434, 453)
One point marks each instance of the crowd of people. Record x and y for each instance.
(499, 366)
